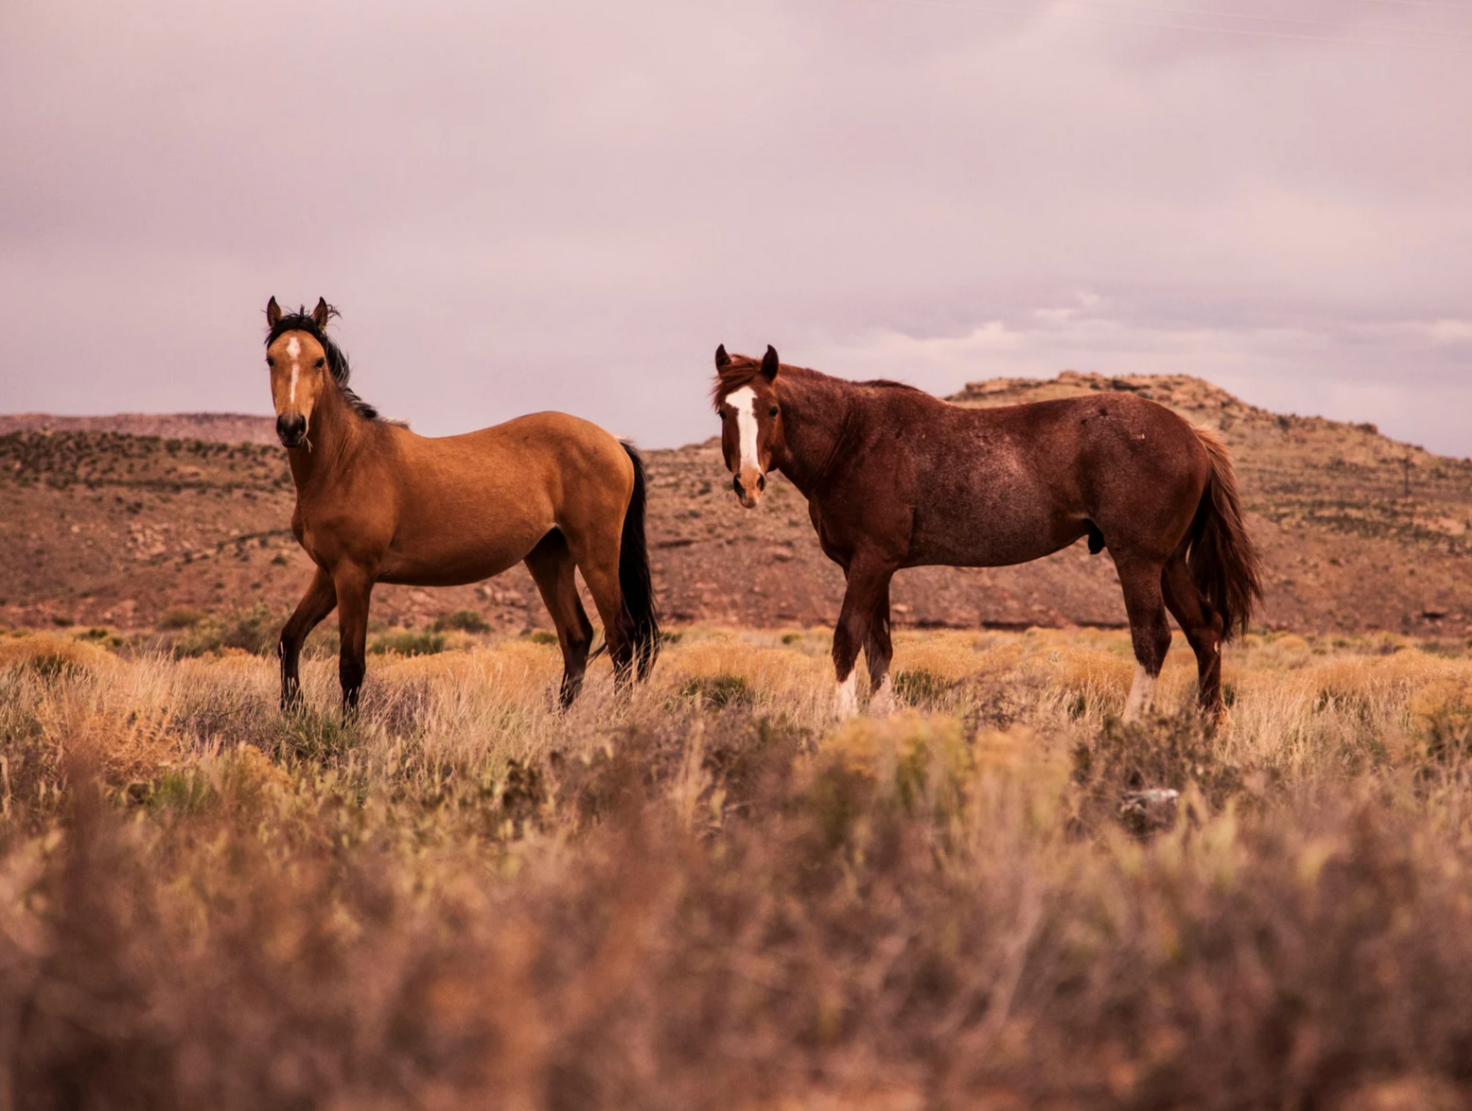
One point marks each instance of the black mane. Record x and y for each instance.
(337, 361)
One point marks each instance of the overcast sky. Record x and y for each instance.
(567, 204)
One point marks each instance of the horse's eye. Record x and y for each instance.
(773, 411)
(270, 361)
(321, 363)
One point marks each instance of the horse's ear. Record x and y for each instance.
(321, 313)
(770, 365)
(722, 359)
(273, 313)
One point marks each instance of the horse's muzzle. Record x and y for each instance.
(291, 431)
(749, 486)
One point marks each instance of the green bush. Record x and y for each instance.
(467, 621)
(718, 691)
(920, 688)
(408, 642)
(255, 630)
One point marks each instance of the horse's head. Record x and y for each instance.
(297, 353)
(751, 420)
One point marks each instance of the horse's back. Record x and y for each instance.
(550, 445)
(1118, 432)
(470, 505)
(1010, 484)
(548, 431)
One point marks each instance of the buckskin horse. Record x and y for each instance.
(377, 503)
(897, 478)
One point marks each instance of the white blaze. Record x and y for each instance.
(294, 352)
(744, 402)
(1142, 694)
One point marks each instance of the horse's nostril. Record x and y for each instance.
(736, 485)
(761, 482)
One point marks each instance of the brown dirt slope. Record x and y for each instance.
(243, 428)
(1359, 532)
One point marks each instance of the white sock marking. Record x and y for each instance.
(744, 402)
(1142, 694)
(846, 696)
(883, 701)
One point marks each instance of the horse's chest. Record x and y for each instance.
(317, 541)
(306, 536)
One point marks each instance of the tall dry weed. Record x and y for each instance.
(661, 900)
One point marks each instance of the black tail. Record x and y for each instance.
(641, 614)
(1224, 561)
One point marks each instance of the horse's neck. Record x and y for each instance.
(819, 409)
(335, 434)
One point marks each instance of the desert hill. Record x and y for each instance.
(243, 428)
(125, 523)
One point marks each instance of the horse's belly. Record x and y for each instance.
(990, 536)
(997, 552)
(457, 565)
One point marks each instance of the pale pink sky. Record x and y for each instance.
(567, 204)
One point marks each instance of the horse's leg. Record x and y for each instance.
(878, 651)
(554, 572)
(1149, 629)
(597, 558)
(868, 586)
(316, 604)
(1203, 628)
(354, 587)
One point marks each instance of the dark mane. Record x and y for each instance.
(743, 369)
(337, 360)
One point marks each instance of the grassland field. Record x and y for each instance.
(706, 893)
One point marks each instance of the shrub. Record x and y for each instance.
(408, 642)
(1441, 716)
(255, 630)
(920, 687)
(1164, 753)
(200, 639)
(718, 691)
(467, 621)
(184, 617)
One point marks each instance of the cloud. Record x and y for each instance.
(568, 205)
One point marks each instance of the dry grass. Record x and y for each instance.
(708, 895)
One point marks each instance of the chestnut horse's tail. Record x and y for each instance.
(1224, 562)
(634, 579)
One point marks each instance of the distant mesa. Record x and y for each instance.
(230, 428)
(128, 521)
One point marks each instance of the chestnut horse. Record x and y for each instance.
(377, 503)
(896, 478)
